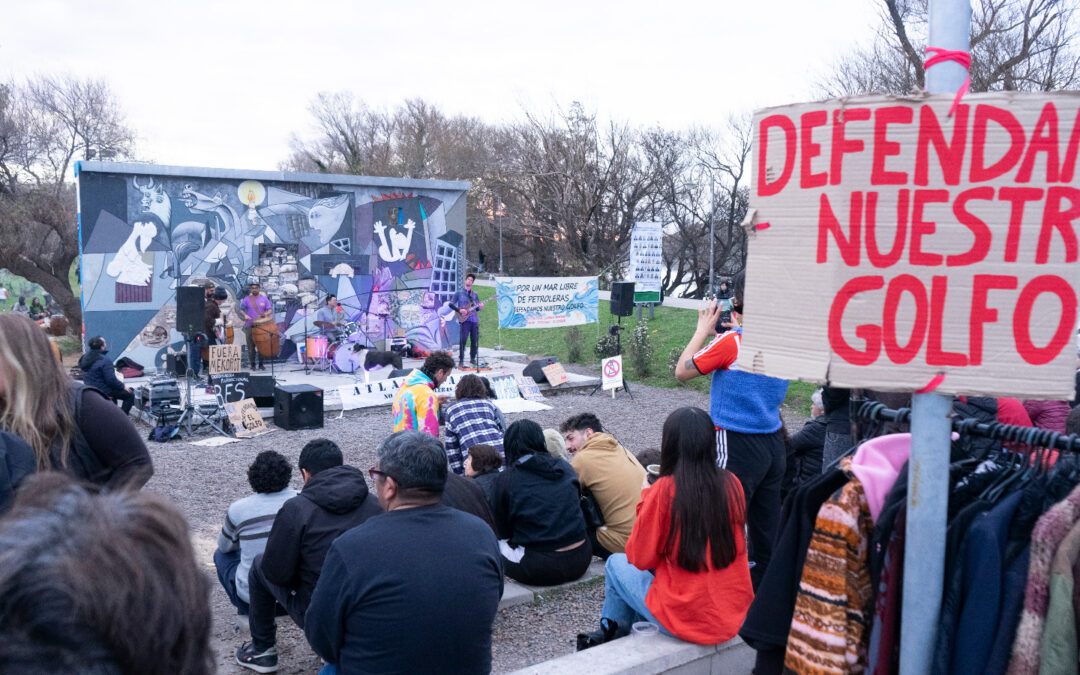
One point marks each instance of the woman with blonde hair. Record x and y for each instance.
(71, 427)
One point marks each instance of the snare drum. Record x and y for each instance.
(317, 346)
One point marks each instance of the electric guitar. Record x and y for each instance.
(470, 311)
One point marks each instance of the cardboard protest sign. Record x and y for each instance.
(891, 244)
(224, 359)
(646, 261)
(611, 373)
(530, 391)
(542, 302)
(555, 374)
(245, 419)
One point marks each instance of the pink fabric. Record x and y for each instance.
(877, 463)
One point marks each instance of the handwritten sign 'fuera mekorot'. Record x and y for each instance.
(891, 243)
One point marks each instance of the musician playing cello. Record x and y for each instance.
(257, 309)
(467, 303)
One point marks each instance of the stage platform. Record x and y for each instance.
(291, 372)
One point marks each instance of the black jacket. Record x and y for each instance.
(99, 373)
(466, 495)
(537, 504)
(17, 461)
(333, 501)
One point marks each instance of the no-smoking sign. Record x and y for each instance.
(611, 370)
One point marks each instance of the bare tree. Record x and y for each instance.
(1016, 45)
(45, 125)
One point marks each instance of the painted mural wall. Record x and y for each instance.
(391, 250)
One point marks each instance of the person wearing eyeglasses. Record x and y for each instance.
(412, 591)
(335, 498)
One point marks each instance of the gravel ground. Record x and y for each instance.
(204, 481)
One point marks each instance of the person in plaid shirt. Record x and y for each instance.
(473, 419)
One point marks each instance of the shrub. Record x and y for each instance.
(641, 350)
(606, 346)
(673, 359)
(573, 345)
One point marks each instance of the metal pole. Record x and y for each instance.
(928, 470)
(498, 217)
(712, 227)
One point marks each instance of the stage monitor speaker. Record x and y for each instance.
(176, 364)
(622, 298)
(298, 406)
(399, 372)
(261, 388)
(190, 309)
(535, 369)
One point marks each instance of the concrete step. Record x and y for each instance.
(515, 593)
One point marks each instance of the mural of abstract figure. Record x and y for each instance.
(372, 242)
(130, 266)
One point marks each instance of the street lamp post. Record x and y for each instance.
(498, 218)
(712, 231)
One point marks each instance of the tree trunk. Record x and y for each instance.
(58, 288)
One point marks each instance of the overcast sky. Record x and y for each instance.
(225, 84)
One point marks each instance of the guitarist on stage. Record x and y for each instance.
(467, 303)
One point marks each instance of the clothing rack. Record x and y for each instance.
(1033, 436)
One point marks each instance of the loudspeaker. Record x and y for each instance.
(622, 298)
(298, 406)
(399, 372)
(176, 364)
(535, 369)
(190, 309)
(261, 388)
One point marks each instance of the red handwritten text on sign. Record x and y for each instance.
(939, 243)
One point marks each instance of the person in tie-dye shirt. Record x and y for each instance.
(416, 406)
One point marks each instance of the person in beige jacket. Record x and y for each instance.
(613, 476)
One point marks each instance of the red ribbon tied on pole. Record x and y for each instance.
(940, 55)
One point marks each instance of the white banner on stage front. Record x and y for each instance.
(544, 302)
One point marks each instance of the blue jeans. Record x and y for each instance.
(625, 587)
(328, 669)
(194, 357)
(467, 330)
(226, 564)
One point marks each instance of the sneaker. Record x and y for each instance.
(266, 662)
(609, 630)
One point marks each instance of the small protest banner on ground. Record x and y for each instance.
(555, 374)
(224, 359)
(530, 391)
(611, 372)
(892, 244)
(543, 302)
(382, 392)
(505, 387)
(245, 419)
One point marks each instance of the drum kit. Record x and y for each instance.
(343, 351)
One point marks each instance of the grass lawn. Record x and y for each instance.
(669, 330)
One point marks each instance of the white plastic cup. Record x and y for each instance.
(644, 629)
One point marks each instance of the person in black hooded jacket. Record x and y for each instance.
(99, 373)
(335, 498)
(538, 513)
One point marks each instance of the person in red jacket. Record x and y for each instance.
(689, 532)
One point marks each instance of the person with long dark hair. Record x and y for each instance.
(537, 512)
(689, 531)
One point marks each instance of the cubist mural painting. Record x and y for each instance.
(391, 250)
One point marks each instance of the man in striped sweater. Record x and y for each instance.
(248, 522)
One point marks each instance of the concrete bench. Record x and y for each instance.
(654, 654)
(515, 593)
